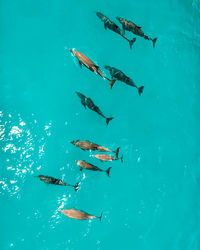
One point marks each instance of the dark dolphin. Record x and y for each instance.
(119, 75)
(54, 181)
(87, 102)
(130, 26)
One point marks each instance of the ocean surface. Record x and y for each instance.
(151, 201)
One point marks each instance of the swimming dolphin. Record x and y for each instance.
(112, 26)
(87, 145)
(79, 215)
(87, 102)
(130, 26)
(103, 157)
(88, 166)
(119, 75)
(52, 180)
(84, 60)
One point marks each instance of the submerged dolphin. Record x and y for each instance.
(114, 27)
(52, 180)
(89, 166)
(87, 145)
(79, 215)
(130, 26)
(84, 60)
(119, 75)
(104, 157)
(87, 102)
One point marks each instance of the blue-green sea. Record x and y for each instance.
(151, 201)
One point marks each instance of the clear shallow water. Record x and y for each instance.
(151, 200)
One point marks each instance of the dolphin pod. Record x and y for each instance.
(87, 102)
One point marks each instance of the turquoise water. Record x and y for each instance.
(151, 201)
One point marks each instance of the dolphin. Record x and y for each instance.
(87, 145)
(114, 27)
(79, 215)
(52, 180)
(84, 60)
(88, 166)
(130, 26)
(87, 102)
(119, 75)
(104, 157)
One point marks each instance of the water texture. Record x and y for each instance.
(151, 201)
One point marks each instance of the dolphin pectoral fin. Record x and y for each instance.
(139, 27)
(83, 103)
(105, 26)
(80, 64)
(131, 42)
(112, 82)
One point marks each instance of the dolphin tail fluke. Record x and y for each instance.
(117, 152)
(76, 187)
(108, 171)
(108, 120)
(140, 90)
(100, 217)
(154, 41)
(112, 82)
(131, 42)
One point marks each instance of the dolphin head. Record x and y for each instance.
(73, 142)
(107, 67)
(72, 51)
(119, 19)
